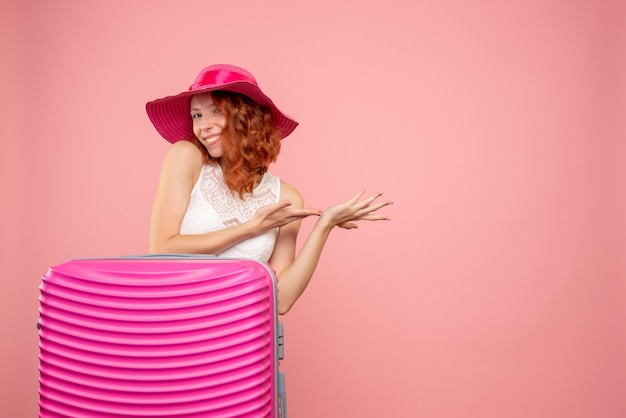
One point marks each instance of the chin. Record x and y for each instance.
(215, 153)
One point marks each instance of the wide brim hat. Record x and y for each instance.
(170, 115)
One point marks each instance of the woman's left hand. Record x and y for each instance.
(345, 214)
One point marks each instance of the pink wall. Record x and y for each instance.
(499, 132)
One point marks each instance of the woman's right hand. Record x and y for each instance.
(280, 214)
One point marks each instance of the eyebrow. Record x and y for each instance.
(196, 108)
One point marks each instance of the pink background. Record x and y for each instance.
(498, 130)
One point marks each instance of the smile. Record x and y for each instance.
(212, 140)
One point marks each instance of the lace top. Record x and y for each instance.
(212, 206)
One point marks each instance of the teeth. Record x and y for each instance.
(212, 139)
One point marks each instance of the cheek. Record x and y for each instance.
(195, 127)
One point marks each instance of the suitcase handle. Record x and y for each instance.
(169, 255)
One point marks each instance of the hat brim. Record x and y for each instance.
(171, 118)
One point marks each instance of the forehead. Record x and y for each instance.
(202, 100)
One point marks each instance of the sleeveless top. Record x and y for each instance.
(212, 207)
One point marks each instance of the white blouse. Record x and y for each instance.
(212, 206)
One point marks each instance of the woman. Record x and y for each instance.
(215, 195)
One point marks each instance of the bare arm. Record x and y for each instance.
(295, 272)
(180, 171)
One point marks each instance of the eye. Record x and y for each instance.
(216, 110)
(196, 115)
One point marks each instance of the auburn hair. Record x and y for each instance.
(250, 141)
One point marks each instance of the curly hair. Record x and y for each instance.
(250, 141)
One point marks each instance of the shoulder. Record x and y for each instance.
(183, 155)
(289, 192)
(184, 150)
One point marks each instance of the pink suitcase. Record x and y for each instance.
(164, 336)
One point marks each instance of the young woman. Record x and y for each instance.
(215, 195)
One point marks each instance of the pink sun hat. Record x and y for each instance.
(170, 115)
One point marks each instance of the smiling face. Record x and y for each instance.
(208, 122)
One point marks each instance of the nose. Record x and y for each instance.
(207, 122)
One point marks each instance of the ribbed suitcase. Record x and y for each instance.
(164, 336)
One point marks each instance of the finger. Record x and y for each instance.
(348, 225)
(316, 211)
(370, 217)
(367, 202)
(381, 205)
(302, 212)
(372, 208)
(284, 203)
(357, 196)
(304, 215)
(297, 217)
